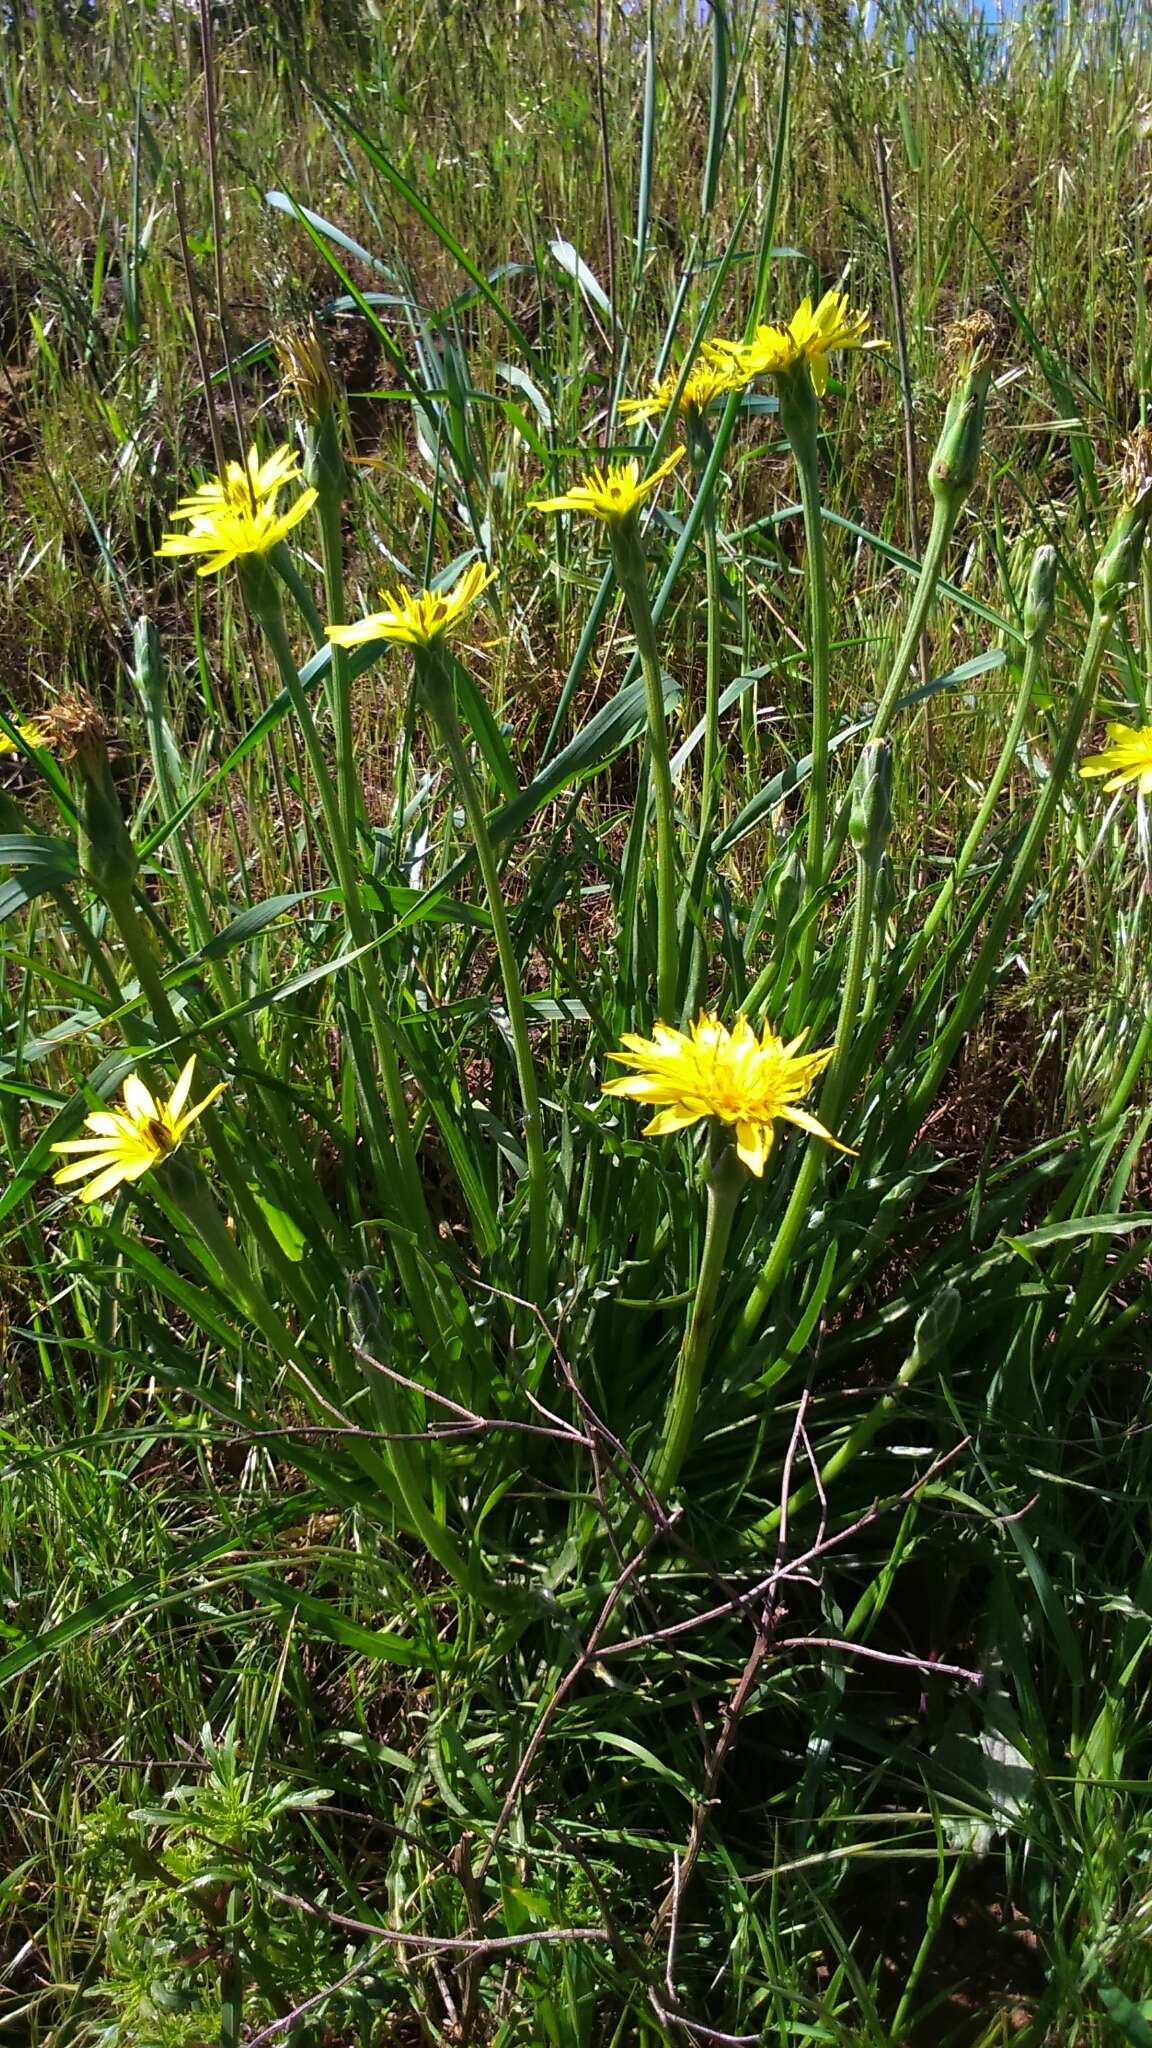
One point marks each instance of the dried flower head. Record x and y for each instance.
(971, 344)
(1136, 466)
(305, 371)
(74, 727)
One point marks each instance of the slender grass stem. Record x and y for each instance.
(1033, 661)
(436, 684)
(799, 417)
(628, 560)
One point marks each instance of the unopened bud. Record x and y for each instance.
(870, 818)
(1040, 602)
(971, 346)
(935, 1327)
(790, 891)
(1119, 560)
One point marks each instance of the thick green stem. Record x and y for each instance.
(725, 1181)
(435, 677)
(628, 560)
(800, 420)
(830, 1105)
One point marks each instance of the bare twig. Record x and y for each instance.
(763, 1587)
(586, 1657)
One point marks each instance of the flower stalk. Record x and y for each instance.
(434, 679)
(631, 575)
(870, 813)
(799, 416)
(725, 1181)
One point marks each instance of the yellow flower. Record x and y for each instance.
(610, 494)
(31, 731)
(417, 618)
(236, 514)
(809, 337)
(708, 379)
(1128, 759)
(709, 1071)
(128, 1142)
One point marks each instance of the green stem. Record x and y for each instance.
(725, 1180)
(265, 602)
(858, 1439)
(628, 560)
(800, 420)
(987, 960)
(1119, 1099)
(831, 1102)
(1000, 774)
(294, 583)
(946, 511)
(709, 791)
(339, 691)
(436, 682)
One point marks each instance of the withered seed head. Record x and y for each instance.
(73, 726)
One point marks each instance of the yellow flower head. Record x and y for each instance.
(235, 515)
(709, 1071)
(710, 377)
(610, 494)
(416, 618)
(128, 1142)
(32, 733)
(809, 337)
(1128, 759)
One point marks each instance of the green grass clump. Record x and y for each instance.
(474, 1572)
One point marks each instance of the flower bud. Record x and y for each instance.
(1040, 602)
(789, 892)
(1119, 561)
(934, 1328)
(971, 346)
(870, 817)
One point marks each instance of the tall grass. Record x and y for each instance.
(473, 1571)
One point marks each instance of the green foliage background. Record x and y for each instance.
(279, 1631)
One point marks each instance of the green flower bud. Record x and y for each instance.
(1040, 603)
(870, 818)
(971, 347)
(790, 892)
(935, 1327)
(1119, 561)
